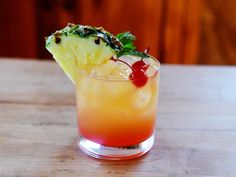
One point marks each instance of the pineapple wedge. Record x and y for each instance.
(82, 47)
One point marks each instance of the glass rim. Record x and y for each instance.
(97, 77)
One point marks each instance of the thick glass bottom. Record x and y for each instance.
(115, 153)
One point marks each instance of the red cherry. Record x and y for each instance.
(140, 65)
(138, 78)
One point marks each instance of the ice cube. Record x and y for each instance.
(142, 97)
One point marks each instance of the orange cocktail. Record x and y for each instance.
(114, 112)
(116, 89)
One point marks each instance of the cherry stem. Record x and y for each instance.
(115, 60)
(145, 51)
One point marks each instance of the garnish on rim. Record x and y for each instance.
(86, 47)
(128, 48)
(138, 75)
(141, 65)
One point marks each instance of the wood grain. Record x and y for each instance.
(196, 128)
(182, 31)
(218, 39)
(142, 19)
(18, 29)
(172, 33)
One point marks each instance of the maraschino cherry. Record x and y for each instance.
(137, 76)
(140, 65)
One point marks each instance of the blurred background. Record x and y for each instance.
(178, 31)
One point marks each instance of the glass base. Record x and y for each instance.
(115, 153)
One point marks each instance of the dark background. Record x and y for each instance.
(178, 31)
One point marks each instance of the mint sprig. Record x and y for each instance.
(126, 38)
(128, 48)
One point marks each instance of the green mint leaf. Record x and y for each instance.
(126, 37)
(129, 46)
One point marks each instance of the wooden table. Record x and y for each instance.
(196, 125)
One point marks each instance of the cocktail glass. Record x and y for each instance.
(116, 119)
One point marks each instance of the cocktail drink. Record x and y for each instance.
(113, 112)
(116, 97)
